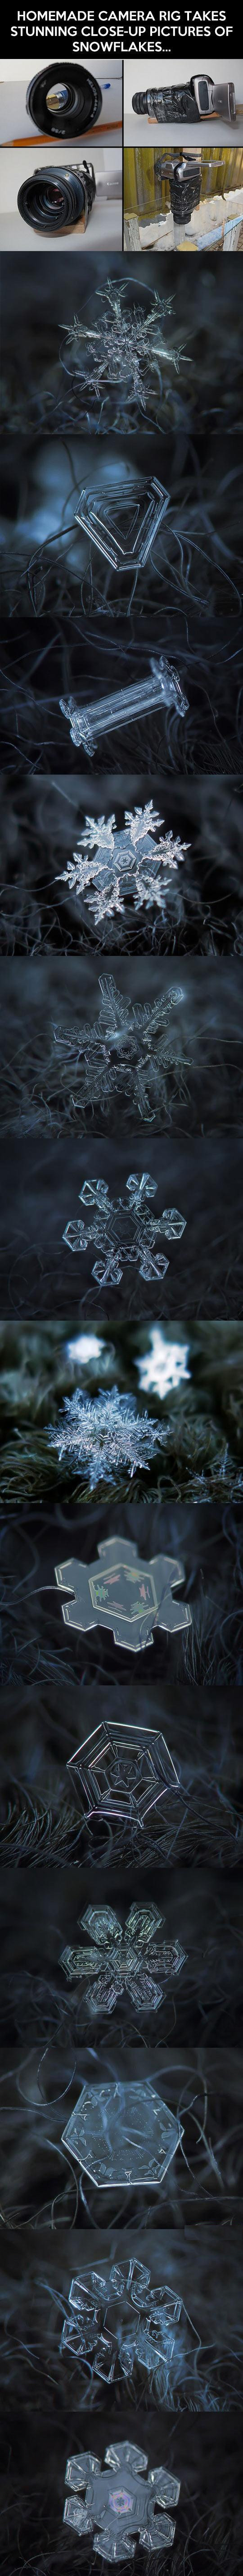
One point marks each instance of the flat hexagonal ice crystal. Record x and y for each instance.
(122, 1770)
(122, 2134)
(121, 1593)
(120, 2509)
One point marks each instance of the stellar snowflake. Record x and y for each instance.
(115, 864)
(124, 346)
(118, 2324)
(118, 2504)
(123, 1229)
(133, 1961)
(106, 1437)
(126, 1052)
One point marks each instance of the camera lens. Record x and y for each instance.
(52, 202)
(64, 100)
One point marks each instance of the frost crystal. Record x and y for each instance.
(123, 1229)
(124, 1593)
(101, 716)
(118, 2323)
(123, 2133)
(105, 1436)
(124, 528)
(128, 1960)
(118, 2504)
(126, 1051)
(115, 864)
(125, 347)
(122, 1770)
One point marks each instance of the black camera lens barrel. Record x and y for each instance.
(54, 200)
(79, 95)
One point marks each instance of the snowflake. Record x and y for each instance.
(105, 1436)
(162, 688)
(123, 1229)
(125, 346)
(117, 2322)
(125, 1051)
(126, 1960)
(118, 2503)
(115, 864)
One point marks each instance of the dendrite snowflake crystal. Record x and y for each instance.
(124, 346)
(119, 2503)
(128, 1050)
(123, 1229)
(118, 2324)
(132, 1961)
(110, 864)
(107, 1436)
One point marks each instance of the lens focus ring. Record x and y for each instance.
(51, 203)
(64, 100)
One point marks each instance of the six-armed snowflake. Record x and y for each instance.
(118, 2503)
(124, 347)
(132, 1960)
(123, 1229)
(118, 2324)
(114, 864)
(128, 1051)
(106, 1436)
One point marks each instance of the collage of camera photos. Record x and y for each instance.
(121, 1299)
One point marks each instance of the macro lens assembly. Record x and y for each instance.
(64, 100)
(52, 200)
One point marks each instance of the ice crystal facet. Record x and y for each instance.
(118, 2503)
(124, 1593)
(128, 1050)
(106, 1436)
(132, 1960)
(123, 2133)
(123, 1229)
(124, 346)
(114, 864)
(122, 1770)
(124, 529)
(100, 716)
(118, 2323)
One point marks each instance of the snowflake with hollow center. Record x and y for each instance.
(131, 1960)
(126, 1050)
(125, 346)
(118, 2323)
(123, 1229)
(118, 2503)
(106, 1436)
(118, 863)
